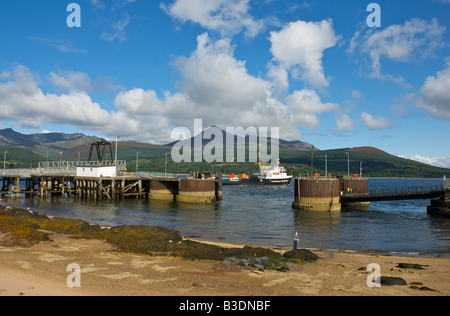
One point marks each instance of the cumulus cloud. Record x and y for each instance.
(307, 105)
(415, 39)
(227, 17)
(435, 95)
(375, 123)
(344, 122)
(217, 88)
(23, 101)
(443, 162)
(299, 47)
(214, 86)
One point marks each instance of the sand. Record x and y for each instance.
(41, 270)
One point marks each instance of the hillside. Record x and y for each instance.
(25, 150)
(46, 145)
(375, 163)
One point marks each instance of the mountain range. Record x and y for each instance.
(298, 157)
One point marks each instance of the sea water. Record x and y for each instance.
(263, 216)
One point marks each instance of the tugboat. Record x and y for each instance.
(267, 175)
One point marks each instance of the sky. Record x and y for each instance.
(336, 74)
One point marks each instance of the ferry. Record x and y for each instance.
(267, 175)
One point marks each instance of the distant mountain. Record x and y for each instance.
(24, 151)
(53, 143)
(284, 144)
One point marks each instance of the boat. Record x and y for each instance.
(267, 175)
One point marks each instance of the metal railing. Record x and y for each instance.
(72, 165)
(406, 191)
(62, 167)
(150, 174)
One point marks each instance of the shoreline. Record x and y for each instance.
(41, 270)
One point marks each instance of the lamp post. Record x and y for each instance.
(165, 167)
(137, 161)
(4, 159)
(360, 169)
(326, 166)
(348, 165)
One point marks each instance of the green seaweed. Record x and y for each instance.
(147, 240)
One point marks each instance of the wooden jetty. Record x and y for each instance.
(62, 179)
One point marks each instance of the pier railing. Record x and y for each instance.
(59, 167)
(413, 190)
(400, 193)
(62, 168)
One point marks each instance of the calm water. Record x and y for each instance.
(263, 216)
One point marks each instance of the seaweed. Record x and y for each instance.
(149, 240)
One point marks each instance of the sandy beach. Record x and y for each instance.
(41, 270)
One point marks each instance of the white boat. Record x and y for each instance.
(274, 174)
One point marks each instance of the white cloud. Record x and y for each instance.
(62, 45)
(300, 46)
(71, 81)
(443, 162)
(436, 95)
(215, 87)
(415, 39)
(80, 81)
(306, 105)
(344, 122)
(356, 94)
(23, 101)
(228, 17)
(375, 123)
(116, 29)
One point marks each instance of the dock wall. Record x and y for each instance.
(440, 207)
(317, 194)
(325, 194)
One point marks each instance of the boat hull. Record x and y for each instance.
(255, 181)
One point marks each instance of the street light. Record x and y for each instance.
(360, 169)
(348, 165)
(165, 167)
(326, 166)
(137, 161)
(4, 159)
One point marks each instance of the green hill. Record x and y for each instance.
(375, 163)
(27, 150)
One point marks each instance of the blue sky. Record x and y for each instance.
(141, 68)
